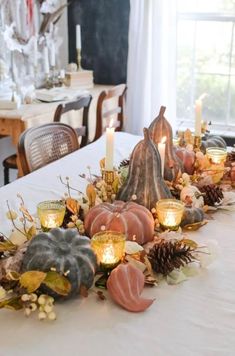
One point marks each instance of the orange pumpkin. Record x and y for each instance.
(132, 219)
(187, 157)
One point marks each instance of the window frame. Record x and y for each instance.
(214, 17)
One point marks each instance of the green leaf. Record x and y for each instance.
(13, 303)
(32, 280)
(57, 283)
(176, 277)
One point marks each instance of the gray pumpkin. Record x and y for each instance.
(212, 141)
(159, 128)
(192, 216)
(64, 250)
(144, 177)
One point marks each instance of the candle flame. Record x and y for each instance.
(163, 139)
(111, 123)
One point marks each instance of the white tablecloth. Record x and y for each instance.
(195, 318)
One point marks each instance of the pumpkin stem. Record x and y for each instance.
(146, 134)
(162, 111)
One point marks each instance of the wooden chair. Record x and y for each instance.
(82, 103)
(117, 93)
(41, 145)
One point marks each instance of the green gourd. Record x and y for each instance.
(212, 141)
(192, 216)
(144, 181)
(66, 252)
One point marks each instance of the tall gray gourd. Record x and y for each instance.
(159, 128)
(145, 177)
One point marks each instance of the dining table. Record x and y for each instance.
(193, 318)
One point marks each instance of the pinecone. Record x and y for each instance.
(212, 194)
(124, 163)
(165, 256)
(230, 157)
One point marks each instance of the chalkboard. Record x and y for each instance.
(104, 31)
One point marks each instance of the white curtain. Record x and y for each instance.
(151, 74)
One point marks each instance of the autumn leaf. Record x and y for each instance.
(12, 276)
(57, 283)
(11, 215)
(189, 243)
(91, 194)
(7, 246)
(72, 205)
(115, 185)
(31, 232)
(102, 164)
(32, 280)
(13, 303)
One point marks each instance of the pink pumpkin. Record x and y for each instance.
(131, 219)
(125, 286)
(187, 157)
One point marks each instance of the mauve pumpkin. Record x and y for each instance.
(144, 178)
(132, 219)
(158, 129)
(187, 157)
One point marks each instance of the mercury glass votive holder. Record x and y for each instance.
(217, 157)
(170, 213)
(216, 154)
(51, 214)
(109, 246)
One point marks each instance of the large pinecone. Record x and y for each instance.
(230, 158)
(212, 194)
(165, 256)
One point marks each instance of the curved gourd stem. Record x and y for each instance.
(162, 111)
(146, 134)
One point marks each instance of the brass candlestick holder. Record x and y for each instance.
(108, 177)
(197, 143)
(79, 58)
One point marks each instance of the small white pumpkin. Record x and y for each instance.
(191, 194)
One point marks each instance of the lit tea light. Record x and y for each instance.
(51, 214)
(109, 247)
(170, 213)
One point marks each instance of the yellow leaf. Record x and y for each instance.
(102, 164)
(115, 185)
(32, 280)
(57, 283)
(7, 246)
(91, 194)
(11, 215)
(13, 303)
(72, 205)
(31, 232)
(189, 243)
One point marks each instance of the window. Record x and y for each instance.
(206, 60)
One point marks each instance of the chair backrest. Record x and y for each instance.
(117, 93)
(41, 145)
(81, 103)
